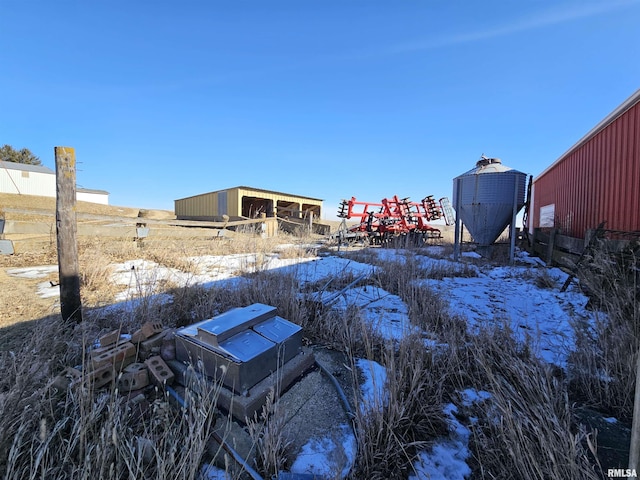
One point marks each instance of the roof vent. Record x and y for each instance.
(484, 161)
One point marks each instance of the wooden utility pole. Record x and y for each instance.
(70, 302)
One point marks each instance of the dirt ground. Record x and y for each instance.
(11, 204)
(18, 299)
(19, 302)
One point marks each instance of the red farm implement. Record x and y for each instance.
(393, 218)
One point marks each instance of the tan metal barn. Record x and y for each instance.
(246, 202)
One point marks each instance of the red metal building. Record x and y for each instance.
(596, 180)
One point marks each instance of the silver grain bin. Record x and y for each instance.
(487, 198)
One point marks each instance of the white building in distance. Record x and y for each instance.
(23, 179)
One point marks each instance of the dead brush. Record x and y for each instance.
(408, 418)
(81, 433)
(427, 309)
(189, 305)
(398, 276)
(268, 437)
(297, 251)
(544, 280)
(335, 283)
(525, 430)
(364, 255)
(602, 369)
(438, 271)
(115, 250)
(175, 259)
(96, 273)
(280, 290)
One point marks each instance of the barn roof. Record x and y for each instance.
(243, 187)
(25, 167)
(604, 123)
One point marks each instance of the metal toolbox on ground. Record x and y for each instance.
(285, 334)
(240, 347)
(256, 356)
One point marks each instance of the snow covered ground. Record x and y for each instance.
(495, 294)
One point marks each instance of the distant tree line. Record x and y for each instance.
(24, 155)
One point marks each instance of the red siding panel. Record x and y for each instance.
(596, 181)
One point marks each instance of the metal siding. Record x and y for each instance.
(592, 202)
(235, 203)
(37, 183)
(198, 206)
(222, 208)
(599, 180)
(634, 158)
(92, 197)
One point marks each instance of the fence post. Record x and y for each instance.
(551, 246)
(70, 302)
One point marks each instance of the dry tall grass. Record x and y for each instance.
(526, 431)
(603, 367)
(527, 428)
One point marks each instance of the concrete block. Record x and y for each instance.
(137, 337)
(147, 330)
(160, 373)
(97, 351)
(101, 376)
(118, 356)
(110, 338)
(134, 377)
(152, 344)
(151, 328)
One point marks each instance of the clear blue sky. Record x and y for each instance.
(329, 99)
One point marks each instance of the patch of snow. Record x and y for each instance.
(386, 313)
(447, 459)
(129, 304)
(435, 250)
(471, 396)
(610, 419)
(144, 277)
(46, 290)
(33, 272)
(326, 267)
(524, 257)
(471, 254)
(328, 457)
(373, 389)
(506, 294)
(211, 472)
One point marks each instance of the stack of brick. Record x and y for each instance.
(130, 362)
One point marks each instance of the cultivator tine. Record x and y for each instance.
(397, 221)
(343, 209)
